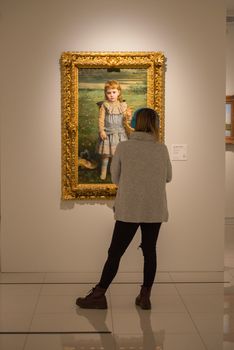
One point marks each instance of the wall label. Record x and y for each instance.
(179, 152)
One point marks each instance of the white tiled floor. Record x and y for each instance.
(191, 311)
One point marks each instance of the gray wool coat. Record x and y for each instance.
(141, 168)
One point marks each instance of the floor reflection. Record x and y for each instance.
(149, 340)
(205, 322)
(99, 324)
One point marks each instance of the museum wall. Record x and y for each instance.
(229, 212)
(42, 233)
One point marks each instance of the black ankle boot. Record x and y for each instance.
(143, 299)
(94, 300)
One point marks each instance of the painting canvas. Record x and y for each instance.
(83, 78)
(91, 83)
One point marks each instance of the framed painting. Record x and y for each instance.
(88, 112)
(229, 120)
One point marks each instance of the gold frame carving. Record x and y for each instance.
(70, 62)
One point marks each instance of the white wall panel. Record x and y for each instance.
(39, 233)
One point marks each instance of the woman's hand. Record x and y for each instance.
(103, 135)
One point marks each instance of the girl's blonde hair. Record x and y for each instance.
(113, 84)
(147, 120)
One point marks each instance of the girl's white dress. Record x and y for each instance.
(111, 120)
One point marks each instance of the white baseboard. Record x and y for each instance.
(229, 221)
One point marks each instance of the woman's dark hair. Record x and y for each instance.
(147, 120)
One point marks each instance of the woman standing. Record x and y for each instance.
(141, 168)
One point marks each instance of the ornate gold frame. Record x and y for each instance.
(70, 63)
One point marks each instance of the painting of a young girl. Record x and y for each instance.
(102, 125)
(114, 114)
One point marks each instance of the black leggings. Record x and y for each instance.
(122, 237)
